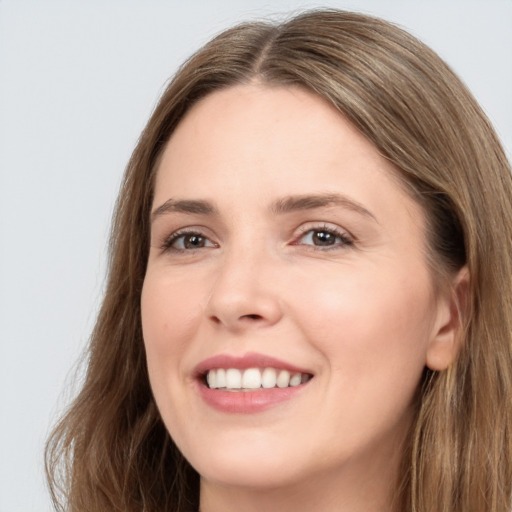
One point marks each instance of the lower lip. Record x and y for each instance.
(247, 402)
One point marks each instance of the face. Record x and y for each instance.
(287, 309)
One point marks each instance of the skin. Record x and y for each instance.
(360, 315)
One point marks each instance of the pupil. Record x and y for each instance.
(194, 241)
(323, 238)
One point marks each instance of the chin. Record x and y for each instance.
(247, 476)
(263, 468)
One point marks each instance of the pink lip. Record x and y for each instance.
(248, 360)
(245, 402)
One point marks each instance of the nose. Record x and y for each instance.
(245, 292)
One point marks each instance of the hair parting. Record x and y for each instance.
(111, 451)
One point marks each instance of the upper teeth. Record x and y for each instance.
(253, 378)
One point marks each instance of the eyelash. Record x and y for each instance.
(345, 240)
(184, 233)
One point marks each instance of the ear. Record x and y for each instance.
(446, 338)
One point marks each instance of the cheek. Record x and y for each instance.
(372, 332)
(170, 314)
(370, 322)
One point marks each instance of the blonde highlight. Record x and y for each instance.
(111, 448)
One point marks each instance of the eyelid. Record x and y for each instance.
(347, 238)
(167, 242)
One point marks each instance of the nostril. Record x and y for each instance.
(252, 317)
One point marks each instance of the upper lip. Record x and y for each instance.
(248, 360)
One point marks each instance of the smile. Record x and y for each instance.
(249, 383)
(253, 379)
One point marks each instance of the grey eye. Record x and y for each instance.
(190, 241)
(323, 238)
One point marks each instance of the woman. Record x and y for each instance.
(309, 302)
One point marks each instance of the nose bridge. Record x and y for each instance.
(244, 292)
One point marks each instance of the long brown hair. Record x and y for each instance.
(111, 450)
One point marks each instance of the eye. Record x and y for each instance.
(188, 240)
(325, 237)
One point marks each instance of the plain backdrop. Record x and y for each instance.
(78, 80)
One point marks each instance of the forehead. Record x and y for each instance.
(255, 139)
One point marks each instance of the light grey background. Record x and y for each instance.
(78, 79)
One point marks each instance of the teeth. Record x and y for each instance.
(233, 378)
(295, 379)
(211, 379)
(283, 379)
(253, 378)
(268, 378)
(220, 378)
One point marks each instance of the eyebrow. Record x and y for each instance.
(191, 206)
(281, 206)
(311, 202)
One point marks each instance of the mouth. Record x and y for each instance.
(253, 379)
(249, 383)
